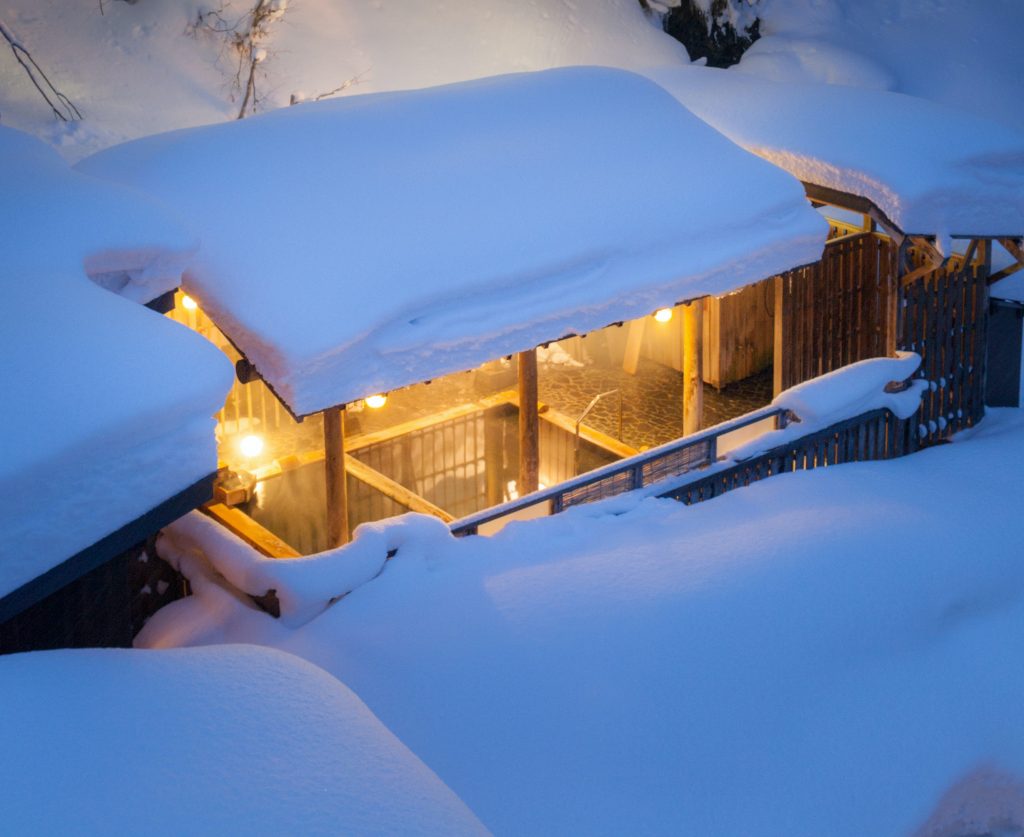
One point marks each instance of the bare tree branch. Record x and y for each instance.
(60, 104)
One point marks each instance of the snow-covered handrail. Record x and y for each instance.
(668, 460)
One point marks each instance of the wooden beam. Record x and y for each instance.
(693, 366)
(529, 424)
(1006, 271)
(1014, 246)
(396, 491)
(634, 342)
(366, 439)
(587, 434)
(334, 472)
(778, 342)
(262, 540)
(933, 260)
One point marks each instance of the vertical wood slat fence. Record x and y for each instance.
(944, 318)
(875, 435)
(835, 312)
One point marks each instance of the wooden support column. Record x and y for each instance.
(634, 342)
(693, 366)
(494, 459)
(334, 466)
(529, 424)
(779, 346)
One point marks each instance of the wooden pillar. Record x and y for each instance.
(693, 366)
(337, 488)
(779, 343)
(529, 424)
(634, 342)
(494, 459)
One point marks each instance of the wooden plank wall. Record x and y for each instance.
(945, 320)
(738, 333)
(834, 312)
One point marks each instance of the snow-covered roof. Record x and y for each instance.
(931, 169)
(57, 218)
(224, 740)
(364, 244)
(107, 406)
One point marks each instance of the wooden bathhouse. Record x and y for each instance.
(465, 299)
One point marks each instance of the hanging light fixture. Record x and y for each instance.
(188, 303)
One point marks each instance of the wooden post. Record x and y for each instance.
(779, 342)
(634, 342)
(529, 424)
(494, 459)
(334, 467)
(693, 366)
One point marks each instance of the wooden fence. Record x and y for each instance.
(835, 312)
(944, 318)
(874, 435)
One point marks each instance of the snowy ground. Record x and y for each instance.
(140, 68)
(823, 653)
(208, 741)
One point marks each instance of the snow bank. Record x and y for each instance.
(826, 652)
(212, 741)
(356, 246)
(208, 555)
(955, 52)
(58, 219)
(931, 169)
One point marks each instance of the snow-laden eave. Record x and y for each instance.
(757, 264)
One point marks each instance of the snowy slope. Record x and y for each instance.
(455, 225)
(235, 740)
(823, 653)
(146, 67)
(961, 53)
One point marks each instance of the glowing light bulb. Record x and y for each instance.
(188, 303)
(251, 446)
(663, 315)
(375, 402)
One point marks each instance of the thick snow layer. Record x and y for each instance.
(931, 169)
(961, 53)
(355, 246)
(826, 652)
(134, 69)
(55, 218)
(109, 413)
(210, 741)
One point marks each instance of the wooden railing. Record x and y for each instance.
(664, 462)
(874, 435)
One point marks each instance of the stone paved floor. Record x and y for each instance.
(651, 399)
